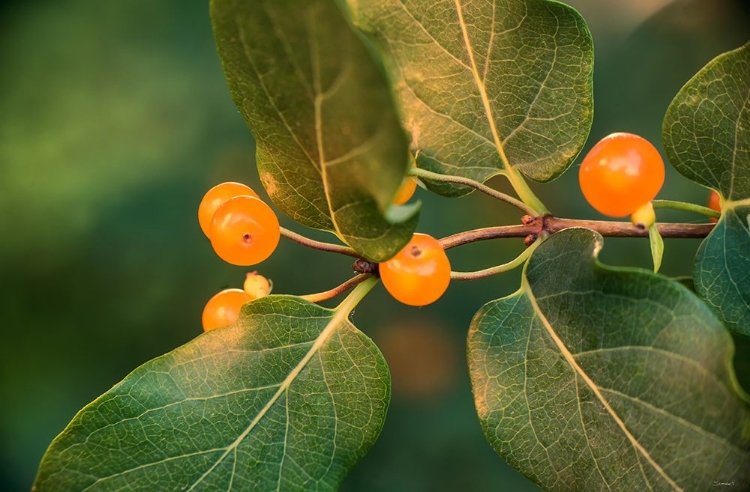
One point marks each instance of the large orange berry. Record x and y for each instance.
(621, 173)
(216, 197)
(223, 309)
(244, 231)
(419, 274)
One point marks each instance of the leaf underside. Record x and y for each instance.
(487, 84)
(236, 409)
(331, 152)
(706, 135)
(593, 378)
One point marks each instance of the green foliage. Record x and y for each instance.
(485, 89)
(330, 150)
(289, 398)
(589, 377)
(594, 378)
(707, 138)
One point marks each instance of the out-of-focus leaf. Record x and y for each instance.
(487, 85)
(596, 378)
(707, 138)
(330, 149)
(657, 246)
(289, 398)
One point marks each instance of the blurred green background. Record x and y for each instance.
(115, 119)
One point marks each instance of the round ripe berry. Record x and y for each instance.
(621, 173)
(244, 231)
(257, 286)
(223, 309)
(419, 274)
(405, 192)
(215, 197)
(714, 203)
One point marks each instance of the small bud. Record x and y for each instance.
(257, 286)
(530, 239)
(644, 217)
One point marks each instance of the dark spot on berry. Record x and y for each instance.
(247, 238)
(416, 252)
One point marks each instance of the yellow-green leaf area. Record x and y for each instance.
(487, 87)
(289, 398)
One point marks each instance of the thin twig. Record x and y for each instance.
(330, 294)
(319, 245)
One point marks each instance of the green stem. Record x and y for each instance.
(688, 207)
(445, 178)
(506, 267)
(524, 192)
(360, 291)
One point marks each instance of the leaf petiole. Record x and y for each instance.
(688, 207)
(360, 291)
(445, 178)
(505, 267)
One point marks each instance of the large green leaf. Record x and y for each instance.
(706, 129)
(707, 138)
(596, 378)
(722, 269)
(287, 399)
(330, 149)
(487, 84)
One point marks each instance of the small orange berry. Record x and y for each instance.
(217, 196)
(405, 192)
(223, 309)
(714, 203)
(419, 274)
(244, 231)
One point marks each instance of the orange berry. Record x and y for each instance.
(257, 286)
(419, 274)
(244, 231)
(714, 203)
(405, 192)
(621, 173)
(223, 309)
(217, 196)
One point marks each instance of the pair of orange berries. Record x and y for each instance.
(242, 228)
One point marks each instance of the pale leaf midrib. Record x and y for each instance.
(593, 387)
(481, 88)
(339, 317)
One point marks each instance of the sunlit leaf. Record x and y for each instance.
(330, 149)
(287, 399)
(486, 85)
(596, 378)
(707, 138)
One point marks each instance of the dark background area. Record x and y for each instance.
(115, 119)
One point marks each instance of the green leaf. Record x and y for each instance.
(330, 149)
(706, 129)
(287, 399)
(657, 246)
(722, 269)
(707, 139)
(597, 378)
(487, 87)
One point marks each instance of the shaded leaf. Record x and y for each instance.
(707, 138)
(596, 378)
(330, 149)
(706, 129)
(722, 269)
(486, 85)
(289, 398)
